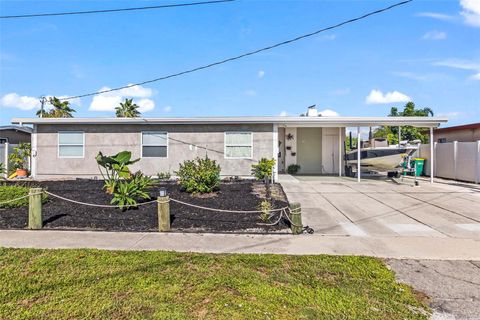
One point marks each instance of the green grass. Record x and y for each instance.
(68, 284)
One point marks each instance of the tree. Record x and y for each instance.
(61, 109)
(408, 132)
(127, 109)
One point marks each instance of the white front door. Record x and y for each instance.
(330, 153)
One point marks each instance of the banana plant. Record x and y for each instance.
(113, 168)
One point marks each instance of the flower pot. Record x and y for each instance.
(21, 172)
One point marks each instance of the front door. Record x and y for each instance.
(330, 153)
(309, 150)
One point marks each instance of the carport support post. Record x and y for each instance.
(431, 155)
(163, 213)
(340, 163)
(35, 220)
(359, 146)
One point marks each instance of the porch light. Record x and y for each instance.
(162, 192)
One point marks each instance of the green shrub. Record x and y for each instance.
(264, 168)
(9, 192)
(265, 206)
(293, 168)
(128, 192)
(114, 168)
(20, 155)
(199, 175)
(164, 176)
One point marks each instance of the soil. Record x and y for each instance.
(237, 195)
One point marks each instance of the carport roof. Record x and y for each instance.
(281, 121)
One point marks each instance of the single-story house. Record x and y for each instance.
(15, 134)
(66, 147)
(462, 133)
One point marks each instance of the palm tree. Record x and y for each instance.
(61, 109)
(127, 109)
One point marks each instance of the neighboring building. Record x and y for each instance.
(66, 147)
(15, 134)
(463, 133)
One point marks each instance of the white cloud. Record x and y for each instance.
(261, 74)
(109, 100)
(471, 12)
(283, 113)
(167, 109)
(377, 97)
(435, 35)
(463, 65)
(250, 93)
(451, 115)
(328, 113)
(13, 100)
(436, 15)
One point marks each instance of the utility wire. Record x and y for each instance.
(244, 54)
(113, 10)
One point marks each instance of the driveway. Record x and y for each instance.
(380, 208)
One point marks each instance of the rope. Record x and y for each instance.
(98, 205)
(19, 198)
(224, 210)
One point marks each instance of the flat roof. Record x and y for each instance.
(17, 128)
(279, 120)
(469, 126)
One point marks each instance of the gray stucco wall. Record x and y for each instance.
(111, 139)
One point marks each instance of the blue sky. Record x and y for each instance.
(426, 51)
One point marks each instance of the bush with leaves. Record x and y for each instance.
(199, 175)
(164, 176)
(265, 206)
(10, 192)
(113, 168)
(264, 169)
(293, 168)
(128, 192)
(19, 157)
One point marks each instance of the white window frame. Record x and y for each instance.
(156, 145)
(59, 145)
(237, 145)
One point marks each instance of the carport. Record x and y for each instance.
(317, 142)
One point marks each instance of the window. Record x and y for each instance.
(154, 144)
(442, 140)
(71, 144)
(238, 145)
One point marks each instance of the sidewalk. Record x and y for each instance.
(382, 247)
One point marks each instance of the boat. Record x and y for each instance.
(377, 155)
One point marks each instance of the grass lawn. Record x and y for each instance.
(67, 284)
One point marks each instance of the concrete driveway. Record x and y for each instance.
(381, 208)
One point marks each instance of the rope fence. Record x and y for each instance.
(284, 213)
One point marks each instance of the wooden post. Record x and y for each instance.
(35, 220)
(296, 217)
(163, 213)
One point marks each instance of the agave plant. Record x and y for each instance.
(113, 168)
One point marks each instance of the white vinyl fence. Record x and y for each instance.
(453, 160)
(5, 150)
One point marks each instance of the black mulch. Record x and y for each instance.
(59, 214)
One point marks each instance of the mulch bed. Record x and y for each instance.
(238, 195)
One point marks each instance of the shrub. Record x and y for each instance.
(264, 168)
(293, 168)
(19, 156)
(164, 176)
(199, 175)
(9, 192)
(265, 206)
(114, 168)
(128, 192)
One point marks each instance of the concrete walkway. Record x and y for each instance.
(383, 247)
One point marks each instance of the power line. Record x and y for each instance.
(113, 10)
(244, 54)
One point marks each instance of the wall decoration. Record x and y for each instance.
(290, 136)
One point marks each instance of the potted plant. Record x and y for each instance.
(19, 159)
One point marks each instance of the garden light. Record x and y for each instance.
(162, 192)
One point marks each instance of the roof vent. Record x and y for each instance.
(312, 111)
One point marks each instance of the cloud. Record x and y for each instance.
(109, 100)
(167, 109)
(13, 100)
(436, 15)
(283, 113)
(471, 12)
(250, 93)
(463, 65)
(261, 74)
(328, 113)
(434, 35)
(451, 114)
(377, 97)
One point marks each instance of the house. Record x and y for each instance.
(462, 133)
(14, 134)
(66, 147)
